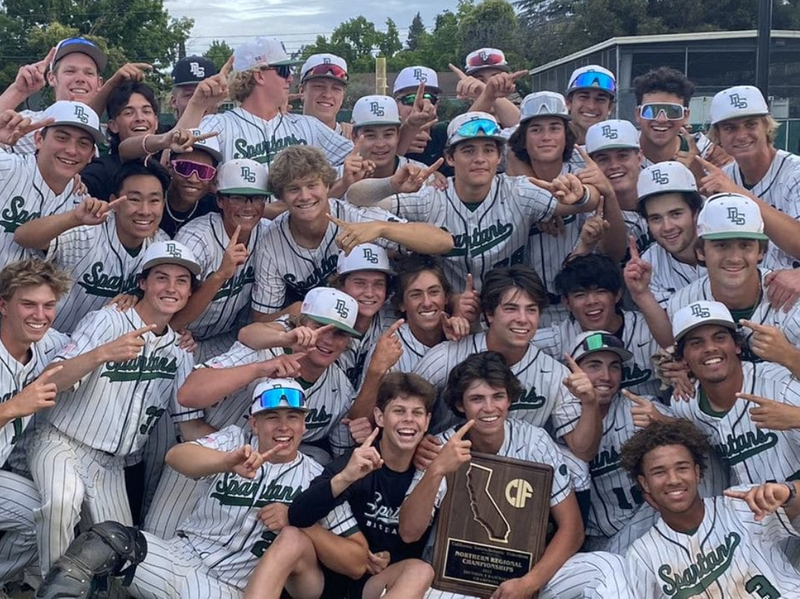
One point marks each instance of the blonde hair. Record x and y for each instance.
(770, 123)
(299, 162)
(241, 84)
(32, 272)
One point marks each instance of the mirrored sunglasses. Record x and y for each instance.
(409, 99)
(326, 69)
(673, 112)
(185, 169)
(483, 59)
(272, 399)
(473, 128)
(594, 80)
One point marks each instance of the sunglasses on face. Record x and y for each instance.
(409, 99)
(600, 341)
(240, 200)
(284, 71)
(594, 80)
(272, 399)
(185, 169)
(484, 59)
(672, 112)
(326, 69)
(473, 128)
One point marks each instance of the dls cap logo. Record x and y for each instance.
(735, 216)
(660, 177)
(196, 70)
(738, 101)
(341, 308)
(609, 132)
(420, 75)
(700, 311)
(173, 250)
(248, 175)
(376, 109)
(81, 115)
(326, 60)
(483, 55)
(370, 256)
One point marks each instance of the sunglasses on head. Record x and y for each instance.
(409, 99)
(600, 341)
(473, 128)
(651, 111)
(483, 59)
(185, 169)
(326, 69)
(272, 399)
(595, 81)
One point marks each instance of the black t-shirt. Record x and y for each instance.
(172, 220)
(435, 149)
(99, 174)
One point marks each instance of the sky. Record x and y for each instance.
(296, 24)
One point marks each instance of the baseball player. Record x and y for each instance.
(591, 94)
(706, 547)
(483, 69)
(187, 74)
(102, 244)
(323, 85)
(489, 215)
(118, 376)
(35, 186)
(250, 477)
(299, 249)
(29, 290)
(481, 389)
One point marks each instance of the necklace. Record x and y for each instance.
(175, 218)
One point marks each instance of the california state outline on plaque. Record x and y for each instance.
(487, 514)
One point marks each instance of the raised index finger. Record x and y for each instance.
(143, 330)
(335, 220)
(204, 136)
(43, 64)
(432, 169)
(419, 100)
(226, 68)
(707, 166)
(518, 74)
(633, 248)
(752, 325)
(393, 329)
(369, 440)
(463, 431)
(49, 373)
(461, 74)
(635, 398)
(572, 364)
(235, 236)
(584, 154)
(754, 398)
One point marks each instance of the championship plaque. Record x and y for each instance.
(492, 524)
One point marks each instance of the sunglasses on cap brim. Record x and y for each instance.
(651, 111)
(185, 169)
(273, 399)
(592, 80)
(486, 60)
(409, 99)
(478, 126)
(326, 70)
(599, 341)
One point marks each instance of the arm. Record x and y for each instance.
(131, 71)
(387, 352)
(584, 439)
(345, 555)
(39, 232)
(415, 513)
(262, 335)
(637, 275)
(196, 461)
(191, 430)
(206, 386)
(264, 317)
(422, 238)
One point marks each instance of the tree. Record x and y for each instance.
(218, 52)
(491, 23)
(415, 33)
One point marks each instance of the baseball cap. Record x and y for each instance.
(191, 70)
(375, 110)
(274, 394)
(613, 134)
(242, 176)
(366, 256)
(730, 216)
(331, 306)
(209, 145)
(485, 58)
(328, 66)
(592, 77)
(170, 252)
(473, 124)
(80, 45)
(698, 314)
(261, 52)
(75, 114)
(543, 104)
(738, 101)
(411, 77)
(665, 177)
(592, 342)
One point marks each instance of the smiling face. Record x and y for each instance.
(671, 221)
(604, 369)
(589, 106)
(28, 315)
(241, 211)
(594, 309)
(180, 97)
(378, 144)
(661, 132)
(282, 428)
(138, 217)
(307, 199)
(167, 288)
(745, 138)
(513, 323)
(670, 476)
(711, 353)
(368, 288)
(621, 167)
(475, 161)
(488, 406)
(329, 345)
(138, 117)
(191, 190)
(75, 78)
(63, 151)
(424, 301)
(731, 262)
(404, 421)
(545, 139)
(322, 98)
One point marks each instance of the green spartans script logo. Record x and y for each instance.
(529, 401)
(481, 240)
(231, 489)
(15, 215)
(705, 570)
(606, 460)
(98, 283)
(265, 151)
(234, 285)
(322, 270)
(738, 448)
(318, 418)
(81, 115)
(141, 368)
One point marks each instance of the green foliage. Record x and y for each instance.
(218, 52)
(415, 32)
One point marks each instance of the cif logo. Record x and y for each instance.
(196, 70)
(518, 491)
(341, 308)
(738, 101)
(609, 132)
(735, 216)
(420, 75)
(248, 174)
(376, 108)
(81, 115)
(698, 311)
(659, 177)
(370, 256)
(173, 250)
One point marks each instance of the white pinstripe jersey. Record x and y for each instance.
(753, 455)
(544, 397)
(207, 239)
(24, 195)
(99, 265)
(413, 350)
(224, 529)
(636, 225)
(14, 376)
(730, 556)
(328, 398)
(495, 233)
(27, 143)
(285, 271)
(637, 374)
(245, 135)
(116, 406)
(354, 359)
(780, 188)
(669, 274)
(704, 145)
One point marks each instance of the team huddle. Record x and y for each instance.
(240, 357)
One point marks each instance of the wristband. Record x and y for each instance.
(144, 144)
(792, 493)
(586, 197)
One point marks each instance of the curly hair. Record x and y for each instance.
(663, 79)
(241, 84)
(32, 272)
(488, 366)
(659, 434)
(517, 142)
(299, 162)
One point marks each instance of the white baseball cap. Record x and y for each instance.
(543, 104)
(592, 342)
(375, 110)
(698, 314)
(170, 252)
(485, 125)
(665, 177)
(261, 52)
(75, 114)
(613, 134)
(730, 216)
(485, 58)
(331, 306)
(411, 77)
(593, 77)
(738, 101)
(209, 145)
(274, 394)
(324, 66)
(242, 176)
(366, 256)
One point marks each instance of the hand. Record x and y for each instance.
(78, 186)
(360, 428)
(643, 410)
(594, 228)
(554, 227)
(467, 304)
(439, 181)
(186, 341)
(123, 302)
(38, 395)
(235, 255)
(353, 234)
(377, 562)
(182, 140)
(421, 139)
(763, 499)
(591, 174)
(246, 461)
(769, 343)
(213, 90)
(31, 77)
(715, 180)
(428, 450)
(127, 346)
(275, 516)
(285, 366)
(516, 588)
(579, 384)
(131, 71)
(677, 373)
(502, 85)
(92, 211)
(468, 87)
(410, 178)
(717, 156)
(783, 288)
(364, 459)
(454, 328)
(388, 350)
(301, 339)
(772, 415)
(13, 126)
(356, 166)
(687, 157)
(637, 273)
(423, 113)
(455, 452)
(567, 188)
